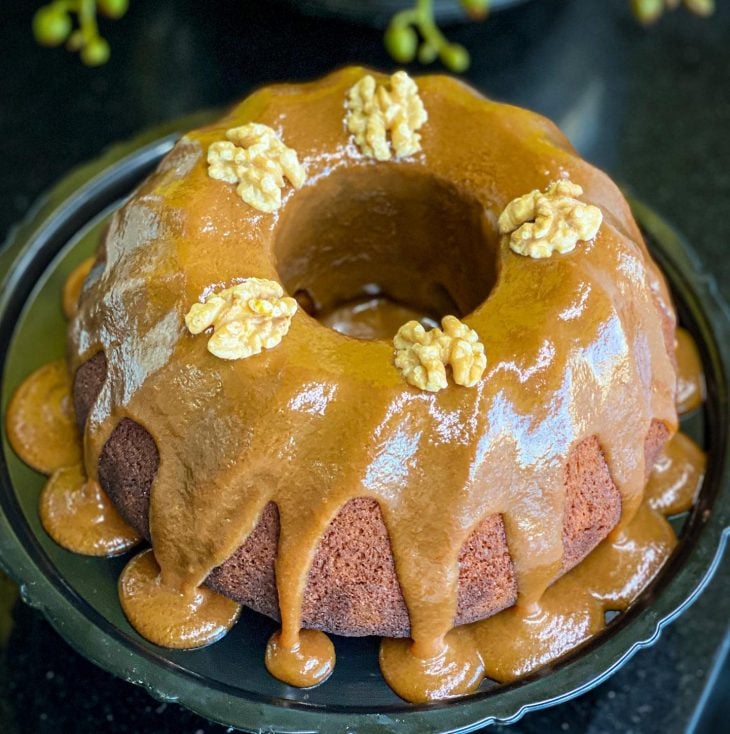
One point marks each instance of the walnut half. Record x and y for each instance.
(375, 110)
(540, 223)
(256, 159)
(247, 318)
(422, 356)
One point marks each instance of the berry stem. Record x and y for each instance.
(427, 25)
(87, 20)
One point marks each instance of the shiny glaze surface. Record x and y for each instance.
(455, 668)
(372, 318)
(677, 476)
(576, 347)
(40, 420)
(78, 515)
(690, 378)
(74, 510)
(303, 661)
(168, 617)
(519, 641)
(73, 286)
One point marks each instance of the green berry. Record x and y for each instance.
(113, 8)
(455, 57)
(647, 11)
(95, 52)
(476, 9)
(51, 25)
(701, 7)
(401, 43)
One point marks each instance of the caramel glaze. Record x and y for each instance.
(306, 662)
(73, 285)
(374, 317)
(677, 476)
(74, 511)
(41, 427)
(167, 617)
(577, 346)
(79, 516)
(690, 378)
(40, 420)
(457, 668)
(518, 641)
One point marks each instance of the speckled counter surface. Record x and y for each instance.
(653, 108)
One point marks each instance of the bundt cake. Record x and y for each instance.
(375, 357)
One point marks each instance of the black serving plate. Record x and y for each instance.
(227, 682)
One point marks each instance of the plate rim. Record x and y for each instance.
(31, 238)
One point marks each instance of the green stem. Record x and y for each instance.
(404, 18)
(427, 25)
(87, 19)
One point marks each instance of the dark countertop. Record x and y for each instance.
(651, 107)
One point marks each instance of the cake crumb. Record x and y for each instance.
(375, 110)
(246, 318)
(543, 222)
(422, 356)
(255, 158)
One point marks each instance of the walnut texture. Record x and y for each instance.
(541, 223)
(256, 159)
(376, 110)
(246, 318)
(422, 356)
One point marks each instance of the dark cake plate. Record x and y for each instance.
(227, 682)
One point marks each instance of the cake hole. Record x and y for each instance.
(363, 250)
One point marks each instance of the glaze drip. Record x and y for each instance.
(455, 669)
(517, 642)
(73, 286)
(40, 420)
(307, 660)
(78, 515)
(168, 617)
(690, 378)
(677, 476)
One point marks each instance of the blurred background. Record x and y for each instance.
(651, 105)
